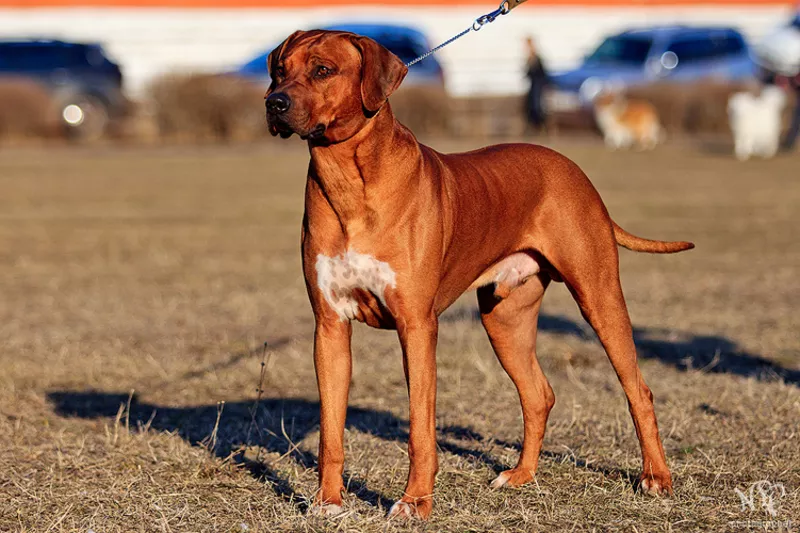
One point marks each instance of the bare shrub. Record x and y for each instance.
(27, 111)
(425, 110)
(692, 108)
(488, 116)
(137, 124)
(203, 107)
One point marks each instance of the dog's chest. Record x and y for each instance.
(340, 279)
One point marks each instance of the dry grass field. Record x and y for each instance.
(138, 286)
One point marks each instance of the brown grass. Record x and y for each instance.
(163, 271)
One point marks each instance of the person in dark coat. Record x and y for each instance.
(792, 84)
(539, 80)
(790, 140)
(779, 58)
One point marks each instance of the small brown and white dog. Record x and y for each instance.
(626, 122)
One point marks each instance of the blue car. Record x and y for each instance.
(406, 43)
(83, 81)
(643, 56)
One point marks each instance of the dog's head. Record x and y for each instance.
(326, 85)
(774, 96)
(605, 99)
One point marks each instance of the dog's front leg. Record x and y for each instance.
(418, 339)
(333, 364)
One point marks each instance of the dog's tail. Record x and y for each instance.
(638, 244)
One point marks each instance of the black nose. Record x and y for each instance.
(278, 103)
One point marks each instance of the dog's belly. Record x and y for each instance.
(355, 285)
(508, 273)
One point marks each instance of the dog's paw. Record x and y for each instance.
(655, 485)
(408, 509)
(326, 510)
(512, 478)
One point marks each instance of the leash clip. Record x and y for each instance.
(480, 22)
(505, 7)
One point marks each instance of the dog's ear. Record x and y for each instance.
(275, 57)
(381, 73)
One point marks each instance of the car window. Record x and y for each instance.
(28, 57)
(257, 65)
(706, 48)
(40, 57)
(622, 49)
(405, 49)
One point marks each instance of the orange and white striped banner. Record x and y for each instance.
(283, 4)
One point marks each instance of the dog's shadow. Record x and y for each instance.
(279, 425)
(683, 351)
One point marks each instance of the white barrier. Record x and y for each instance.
(148, 42)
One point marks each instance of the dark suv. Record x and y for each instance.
(404, 41)
(642, 56)
(86, 85)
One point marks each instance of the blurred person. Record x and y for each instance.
(539, 79)
(792, 135)
(792, 84)
(779, 56)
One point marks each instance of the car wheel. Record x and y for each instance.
(85, 117)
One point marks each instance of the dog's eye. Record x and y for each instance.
(280, 72)
(322, 72)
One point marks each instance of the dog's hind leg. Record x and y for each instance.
(743, 148)
(511, 325)
(769, 147)
(592, 275)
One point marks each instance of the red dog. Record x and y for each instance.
(394, 232)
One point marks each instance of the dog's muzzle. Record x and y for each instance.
(278, 105)
(280, 123)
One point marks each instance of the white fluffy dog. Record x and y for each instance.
(756, 122)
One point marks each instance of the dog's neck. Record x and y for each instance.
(354, 173)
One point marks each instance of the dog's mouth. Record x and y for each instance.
(278, 126)
(316, 133)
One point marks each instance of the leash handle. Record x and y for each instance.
(505, 7)
(514, 3)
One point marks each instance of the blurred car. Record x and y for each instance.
(83, 81)
(405, 42)
(643, 56)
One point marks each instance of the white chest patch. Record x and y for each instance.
(338, 276)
